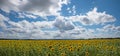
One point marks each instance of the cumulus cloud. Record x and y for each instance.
(37, 7)
(43, 24)
(100, 17)
(109, 30)
(31, 25)
(111, 27)
(27, 30)
(8, 5)
(106, 28)
(33, 30)
(63, 25)
(93, 18)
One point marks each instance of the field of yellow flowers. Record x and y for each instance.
(104, 47)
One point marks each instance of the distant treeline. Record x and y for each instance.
(59, 39)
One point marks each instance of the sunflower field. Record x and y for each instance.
(96, 47)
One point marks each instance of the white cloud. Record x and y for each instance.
(109, 30)
(27, 30)
(1, 35)
(117, 34)
(24, 15)
(69, 11)
(8, 5)
(14, 24)
(93, 18)
(63, 25)
(74, 10)
(100, 17)
(82, 19)
(43, 24)
(2, 19)
(31, 25)
(37, 7)
(109, 27)
(118, 28)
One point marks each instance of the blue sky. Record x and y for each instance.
(59, 19)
